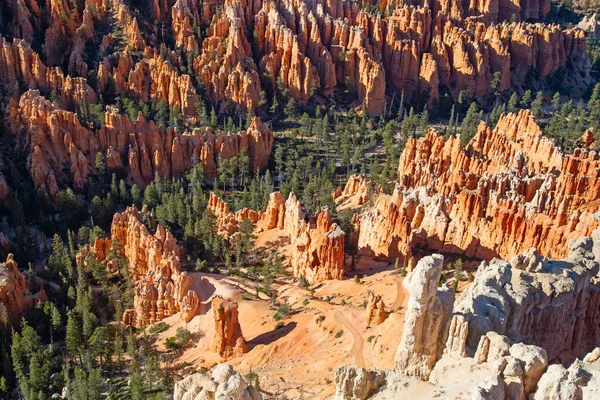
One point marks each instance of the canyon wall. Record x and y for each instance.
(527, 328)
(508, 190)
(548, 303)
(252, 49)
(161, 289)
(139, 149)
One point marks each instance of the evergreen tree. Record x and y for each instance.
(74, 336)
(213, 122)
(136, 195)
(513, 103)
(526, 99)
(537, 104)
(100, 164)
(470, 124)
(31, 364)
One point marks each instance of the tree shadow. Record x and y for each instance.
(272, 336)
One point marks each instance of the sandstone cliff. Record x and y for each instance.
(138, 148)
(161, 289)
(509, 190)
(427, 316)
(507, 333)
(253, 49)
(543, 302)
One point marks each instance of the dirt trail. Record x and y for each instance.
(357, 346)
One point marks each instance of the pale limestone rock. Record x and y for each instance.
(356, 383)
(427, 316)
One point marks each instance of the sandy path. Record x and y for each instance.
(357, 346)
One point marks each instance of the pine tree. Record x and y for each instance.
(136, 195)
(526, 99)
(470, 124)
(100, 164)
(537, 104)
(213, 122)
(513, 102)
(74, 336)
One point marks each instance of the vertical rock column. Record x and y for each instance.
(428, 312)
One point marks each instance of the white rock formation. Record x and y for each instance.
(224, 383)
(427, 316)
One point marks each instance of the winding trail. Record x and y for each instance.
(357, 346)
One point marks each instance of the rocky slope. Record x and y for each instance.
(139, 149)
(243, 51)
(18, 292)
(510, 189)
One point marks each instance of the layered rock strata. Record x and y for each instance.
(519, 331)
(547, 303)
(317, 244)
(252, 50)
(427, 314)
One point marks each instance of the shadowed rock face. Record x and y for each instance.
(508, 190)
(18, 292)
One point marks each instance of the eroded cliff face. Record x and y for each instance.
(228, 341)
(509, 190)
(547, 303)
(527, 328)
(317, 243)
(140, 149)
(252, 49)
(161, 289)
(18, 292)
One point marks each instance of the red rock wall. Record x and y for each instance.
(510, 189)
(161, 289)
(140, 149)
(309, 47)
(317, 244)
